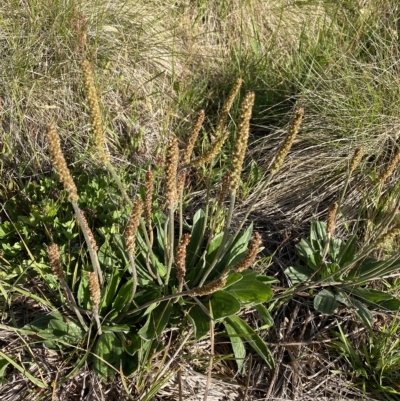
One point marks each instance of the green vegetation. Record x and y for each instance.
(205, 186)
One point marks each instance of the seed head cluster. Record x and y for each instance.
(251, 254)
(208, 288)
(227, 106)
(294, 127)
(60, 165)
(388, 171)
(94, 290)
(355, 160)
(180, 259)
(241, 140)
(55, 261)
(224, 188)
(332, 211)
(171, 167)
(95, 113)
(133, 224)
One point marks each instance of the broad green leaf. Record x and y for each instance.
(348, 251)
(123, 297)
(237, 249)
(250, 290)
(109, 292)
(265, 316)
(200, 321)
(318, 235)
(363, 313)
(232, 279)
(298, 274)
(132, 343)
(196, 239)
(223, 304)
(244, 331)
(238, 347)
(309, 256)
(156, 321)
(108, 351)
(326, 302)
(267, 279)
(117, 328)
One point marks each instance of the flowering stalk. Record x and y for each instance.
(95, 296)
(56, 267)
(251, 254)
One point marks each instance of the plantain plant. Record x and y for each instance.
(162, 272)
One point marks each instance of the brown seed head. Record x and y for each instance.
(241, 140)
(60, 165)
(355, 160)
(225, 187)
(191, 140)
(133, 224)
(330, 225)
(227, 106)
(208, 288)
(294, 127)
(171, 168)
(55, 261)
(180, 259)
(94, 290)
(95, 113)
(388, 171)
(251, 254)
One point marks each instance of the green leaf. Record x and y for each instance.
(3, 366)
(108, 351)
(265, 316)
(123, 297)
(363, 313)
(132, 343)
(243, 330)
(348, 251)
(108, 293)
(238, 347)
(250, 290)
(223, 304)
(83, 292)
(196, 239)
(377, 298)
(156, 321)
(232, 279)
(200, 321)
(298, 274)
(326, 302)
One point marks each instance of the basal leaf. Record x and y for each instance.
(298, 274)
(265, 316)
(196, 239)
(123, 297)
(108, 351)
(223, 304)
(132, 343)
(200, 321)
(249, 290)
(326, 302)
(109, 292)
(156, 321)
(251, 338)
(363, 313)
(239, 350)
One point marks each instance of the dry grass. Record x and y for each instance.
(157, 62)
